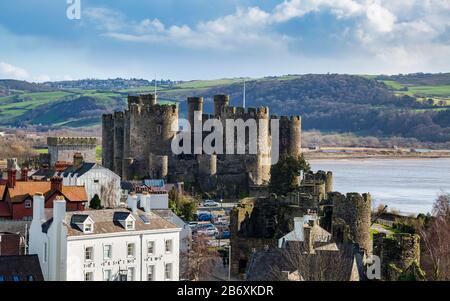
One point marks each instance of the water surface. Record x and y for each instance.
(408, 185)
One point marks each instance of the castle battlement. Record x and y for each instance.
(107, 117)
(285, 118)
(146, 128)
(58, 141)
(152, 111)
(245, 113)
(118, 115)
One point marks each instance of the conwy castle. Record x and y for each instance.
(137, 144)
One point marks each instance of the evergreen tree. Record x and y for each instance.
(284, 175)
(96, 203)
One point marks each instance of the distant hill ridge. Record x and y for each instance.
(414, 105)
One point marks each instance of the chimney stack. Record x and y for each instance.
(56, 183)
(132, 202)
(309, 239)
(145, 201)
(59, 209)
(12, 178)
(24, 174)
(38, 206)
(298, 228)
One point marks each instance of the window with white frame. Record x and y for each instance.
(151, 273)
(88, 276)
(169, 246)
(107, 251)
(129, 224)
(168, 271)
(88, 228)
(130, 249)
(89, 253)
(130, 274)
(151, 248)
(107, 275)
(28, 204)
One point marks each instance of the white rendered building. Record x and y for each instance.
(97, 180)
(159, 203)
(103, 245)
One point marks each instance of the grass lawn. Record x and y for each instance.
(98, 152)
(41, 150)
(393, 85)
(196, 84)
(439, 91)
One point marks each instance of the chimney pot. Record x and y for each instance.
(56, 183)
(24, 174)
(12, 173)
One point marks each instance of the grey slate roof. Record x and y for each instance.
(335, 265)
(84, 168)
(78, 219)
(121, 216)
(45, 173)
(25, 268)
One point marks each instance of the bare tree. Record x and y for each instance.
(198, 263)
(436, 241)
(15, 148)
(324, 265)
(109, 194)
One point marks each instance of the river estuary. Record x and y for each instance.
(408, 185)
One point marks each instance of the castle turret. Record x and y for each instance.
(108, 141)
(295, 127)
(118, 141)
(148, 99)
(220, 102)
(355, 210)
(207, 165)
(158, 166)
(329, 182)
(195, 104)
(290, 135)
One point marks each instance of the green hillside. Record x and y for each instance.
(414, 105)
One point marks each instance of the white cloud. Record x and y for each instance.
(380, 17)
(13, 72)
(404, 31)
(43, 78)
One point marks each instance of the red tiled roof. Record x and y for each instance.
(22, 190)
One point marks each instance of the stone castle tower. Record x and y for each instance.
(137, 144)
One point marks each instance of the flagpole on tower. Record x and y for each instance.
(243, 98)
(155, 84)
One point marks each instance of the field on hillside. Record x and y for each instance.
(365, 105)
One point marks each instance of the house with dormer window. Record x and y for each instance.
(103, 245)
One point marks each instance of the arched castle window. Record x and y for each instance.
(284, 141)
(159, 129)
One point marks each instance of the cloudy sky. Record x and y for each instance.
(204, 39)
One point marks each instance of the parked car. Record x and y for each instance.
(193, 225)
(207, 229)
(224, 235)
(210, 203)
(222, 220)
(205, 217)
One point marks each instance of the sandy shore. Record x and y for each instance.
(366, 153)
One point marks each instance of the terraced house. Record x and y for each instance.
(103, 245)
(16, 200)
